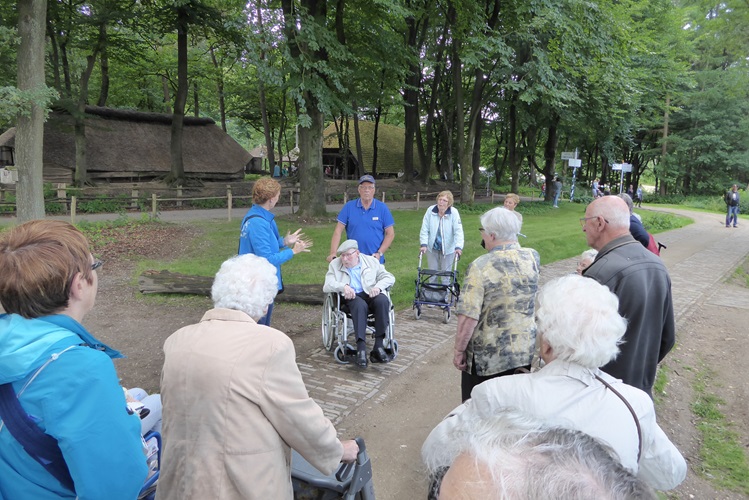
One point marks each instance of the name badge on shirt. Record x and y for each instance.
(375, 218)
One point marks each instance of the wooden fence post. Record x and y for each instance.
(291, 200)
(153, 205)
(179, 195)
(492, 197)
(418, 199)
(134, 199)
(61, 190)
(73, 203)
(345, 197)
(383, 196)
(228, 199)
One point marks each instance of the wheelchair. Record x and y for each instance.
(337, 327)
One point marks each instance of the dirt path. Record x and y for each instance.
(394, 408)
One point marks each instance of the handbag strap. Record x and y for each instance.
(631, 410)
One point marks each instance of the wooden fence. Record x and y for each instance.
(152, 205)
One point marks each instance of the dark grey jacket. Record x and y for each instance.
(641, 282)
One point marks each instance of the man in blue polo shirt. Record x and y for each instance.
(367, 221)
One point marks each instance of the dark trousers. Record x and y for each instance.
(359, 307)
(470, 380)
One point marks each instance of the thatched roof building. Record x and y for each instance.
(390, 144)
(132, 146)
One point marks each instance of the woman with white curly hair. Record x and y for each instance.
(234, 402)
(579, 330)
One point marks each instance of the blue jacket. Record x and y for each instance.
(77, 399)
(259, 235)
(452, 230)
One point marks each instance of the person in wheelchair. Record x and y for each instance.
(361, 279)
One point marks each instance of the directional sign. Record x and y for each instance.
(616, 166)
(575, 163)
(568, 155)
(626, 167)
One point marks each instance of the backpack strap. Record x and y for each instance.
(40, 446)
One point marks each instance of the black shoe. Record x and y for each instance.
(378, 355)
(361, 359)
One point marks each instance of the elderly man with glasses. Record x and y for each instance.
(361, 279)
(641, 281)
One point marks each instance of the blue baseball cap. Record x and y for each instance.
(366, 178)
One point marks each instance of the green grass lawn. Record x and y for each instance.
(555, 233)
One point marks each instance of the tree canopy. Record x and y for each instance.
(481, 87)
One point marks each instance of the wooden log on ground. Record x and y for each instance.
(152, 281)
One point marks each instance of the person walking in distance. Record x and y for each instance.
(732, 200)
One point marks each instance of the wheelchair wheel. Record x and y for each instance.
(340, 355)
(417, 312)
(394, 348)
(329, 323)
(446, 315)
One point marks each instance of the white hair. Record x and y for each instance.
(590, 254)
(502, 223)
(246, 283)
(525, 458)
(578, 317)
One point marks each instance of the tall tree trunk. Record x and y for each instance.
(512, 152)
(177, 172)
(167, 94)
(476, 156)
(104, 92)
(664, 145)
(357, 138)
(81, 168)
(220, 89)
(55, 57)
(30, 128)
(196, 99)
(311, 197)
(550, 152)
(267, 132)
(375, 138)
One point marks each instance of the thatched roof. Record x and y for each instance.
(390, 143)
(130, 145)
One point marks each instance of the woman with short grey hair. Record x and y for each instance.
(234, 401)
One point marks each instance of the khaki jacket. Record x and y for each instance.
(373, 274)
(234, 402)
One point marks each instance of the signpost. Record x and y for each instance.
(622, 168)
(574, 164)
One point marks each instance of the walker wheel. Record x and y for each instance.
(417, 312)
(446, 315)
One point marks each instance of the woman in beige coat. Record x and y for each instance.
(234, 402)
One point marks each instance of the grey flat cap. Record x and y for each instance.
(346, 246)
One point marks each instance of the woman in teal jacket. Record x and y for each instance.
(259, 233)
(63, 377)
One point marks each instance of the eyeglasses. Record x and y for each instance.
(585, 219)
(350, 254)
(96, 265)
(366, 188)
(481, 229)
